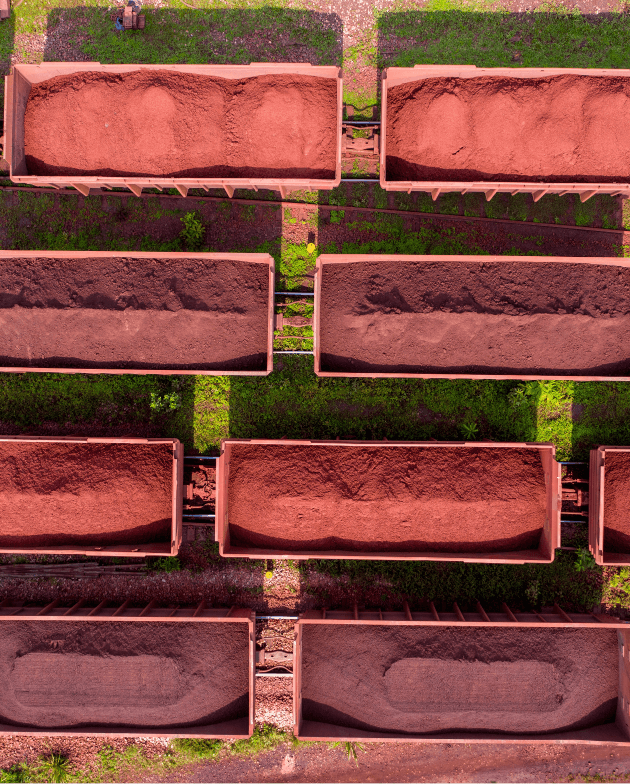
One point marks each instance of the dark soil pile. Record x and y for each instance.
(423, 680)
(153, 675)
(475, 317)
(616, 509)
(168, 124)
(385, 498)
(85, 494)
(180, 314)
(554, 129)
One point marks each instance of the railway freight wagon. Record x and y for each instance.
(608, 512)
(492, 317)
(136, 312)
(121, 670)
(117, 496)
(461, 677)
(450, 501)
(92, 126)
(460, 128)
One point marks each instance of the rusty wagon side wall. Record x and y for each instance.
(154, 614)
(596, 519)
(550, 538)
(352, 258)
(18, 86)
(252, 258)
(393, 77)
(617, 733)
(129, 550)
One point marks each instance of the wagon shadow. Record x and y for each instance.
(196, 35)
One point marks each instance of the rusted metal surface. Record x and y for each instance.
(550, 538)
(128, 551)
(352, 258)
(18, 86)
(257, 258)
(396, 76)
(107, 612)
(617, 733)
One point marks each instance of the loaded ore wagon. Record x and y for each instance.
(462, 677)
(136, 312)
(117, 496)
(128, 671)
(450, 501)
(459, 128)
(608, 513)
(472, 317)
(92, 126)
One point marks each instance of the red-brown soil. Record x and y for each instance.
(616, 495)
(194, 314)
(475, 317)
(426, 680)
(85, 494)
(385, 498)
(556, 129)
(151, 675)
(167, 124)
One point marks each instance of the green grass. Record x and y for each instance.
(446, 33)
(521, 587)
(121, 766)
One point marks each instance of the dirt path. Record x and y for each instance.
(422, 762)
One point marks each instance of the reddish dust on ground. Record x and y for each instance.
(56, 675)
(169, 124)
(616, 495)
(558, 129)
(193, 314)
(85, 494)
(425, 679)
(475, 317)
(385, 498)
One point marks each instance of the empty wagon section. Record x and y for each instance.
(80, 495)
(535, 130)
(539, 677)
(89, 125)
(122, 670)
(101, 312)
(472, 317)
(388, 500)
(609, 521)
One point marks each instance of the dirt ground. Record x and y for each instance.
(423, 762)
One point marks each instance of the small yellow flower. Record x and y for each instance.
(268, 575)
(310, 248)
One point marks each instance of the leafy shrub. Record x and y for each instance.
(193, 233)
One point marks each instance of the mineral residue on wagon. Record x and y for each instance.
(386, 499)
(423, 680)
(120, 312)
(114, 675)
(165, 123)
(80, 494)
(474, 316)
(569, 128)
